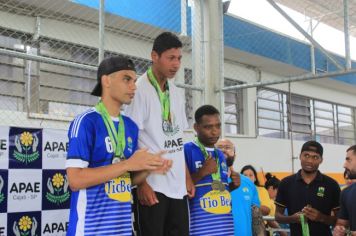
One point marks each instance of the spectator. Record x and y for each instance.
(266, 203)
(244, 195)
(310, 197)
(347, 216)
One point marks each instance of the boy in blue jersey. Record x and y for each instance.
(210, 209)
(244, 194)
(102, 153)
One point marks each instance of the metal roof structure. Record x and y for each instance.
(330, 12)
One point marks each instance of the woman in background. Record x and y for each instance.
(266, 202)
(271, 185)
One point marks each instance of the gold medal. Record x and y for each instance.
(215, 185)
(222, 186)
(218, 185)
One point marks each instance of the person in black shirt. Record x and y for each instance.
(347, 215)
(309, 196)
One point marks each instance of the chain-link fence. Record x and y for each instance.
(49, 51)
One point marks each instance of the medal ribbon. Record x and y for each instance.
(305, 226)
(117, 137)
(163, 96)
(216, 175)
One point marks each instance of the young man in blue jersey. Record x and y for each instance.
(243, 192)
(102, 153)
(210, 209)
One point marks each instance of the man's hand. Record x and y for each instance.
(146, 195)
(190, 185)
(339, 230)
(295, 218)
(235, 180)
(312, 214)
(167, 164)
(143, 160)
(209, 167)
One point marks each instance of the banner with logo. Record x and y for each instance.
(34, 191)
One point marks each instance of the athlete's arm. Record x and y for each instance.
(208, 168)
(81, 178)
(189, 183)
(139, 176)
(315, 215)
(146, 195)
(281, 218)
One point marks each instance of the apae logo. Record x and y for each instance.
(57, 189)
(26, 147)
(169, 127)
(26, 226)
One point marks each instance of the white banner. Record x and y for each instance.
(4, 148)
(34, 191)
(24, 190)
(55, 222)
(54, 147)
(3, 224)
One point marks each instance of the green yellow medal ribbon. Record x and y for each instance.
(216, 176)
(117, 137)
(163, 96)
(305, 226)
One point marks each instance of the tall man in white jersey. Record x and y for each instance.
(158, 110)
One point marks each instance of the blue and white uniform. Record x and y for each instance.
(104, 209)
(210, 210)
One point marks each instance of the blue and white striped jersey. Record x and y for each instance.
(210, 210)
(104, 209)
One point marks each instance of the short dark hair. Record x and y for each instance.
(271, 181)
(249, 167)
(205, 110)
(352, 148)
(166, 41)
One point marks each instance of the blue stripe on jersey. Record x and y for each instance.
(201, 221)
(88, 141)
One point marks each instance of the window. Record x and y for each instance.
(271, 113)
(280, 114)
(299, 118)
(346, 125)
(324, 122)
(233, 108)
